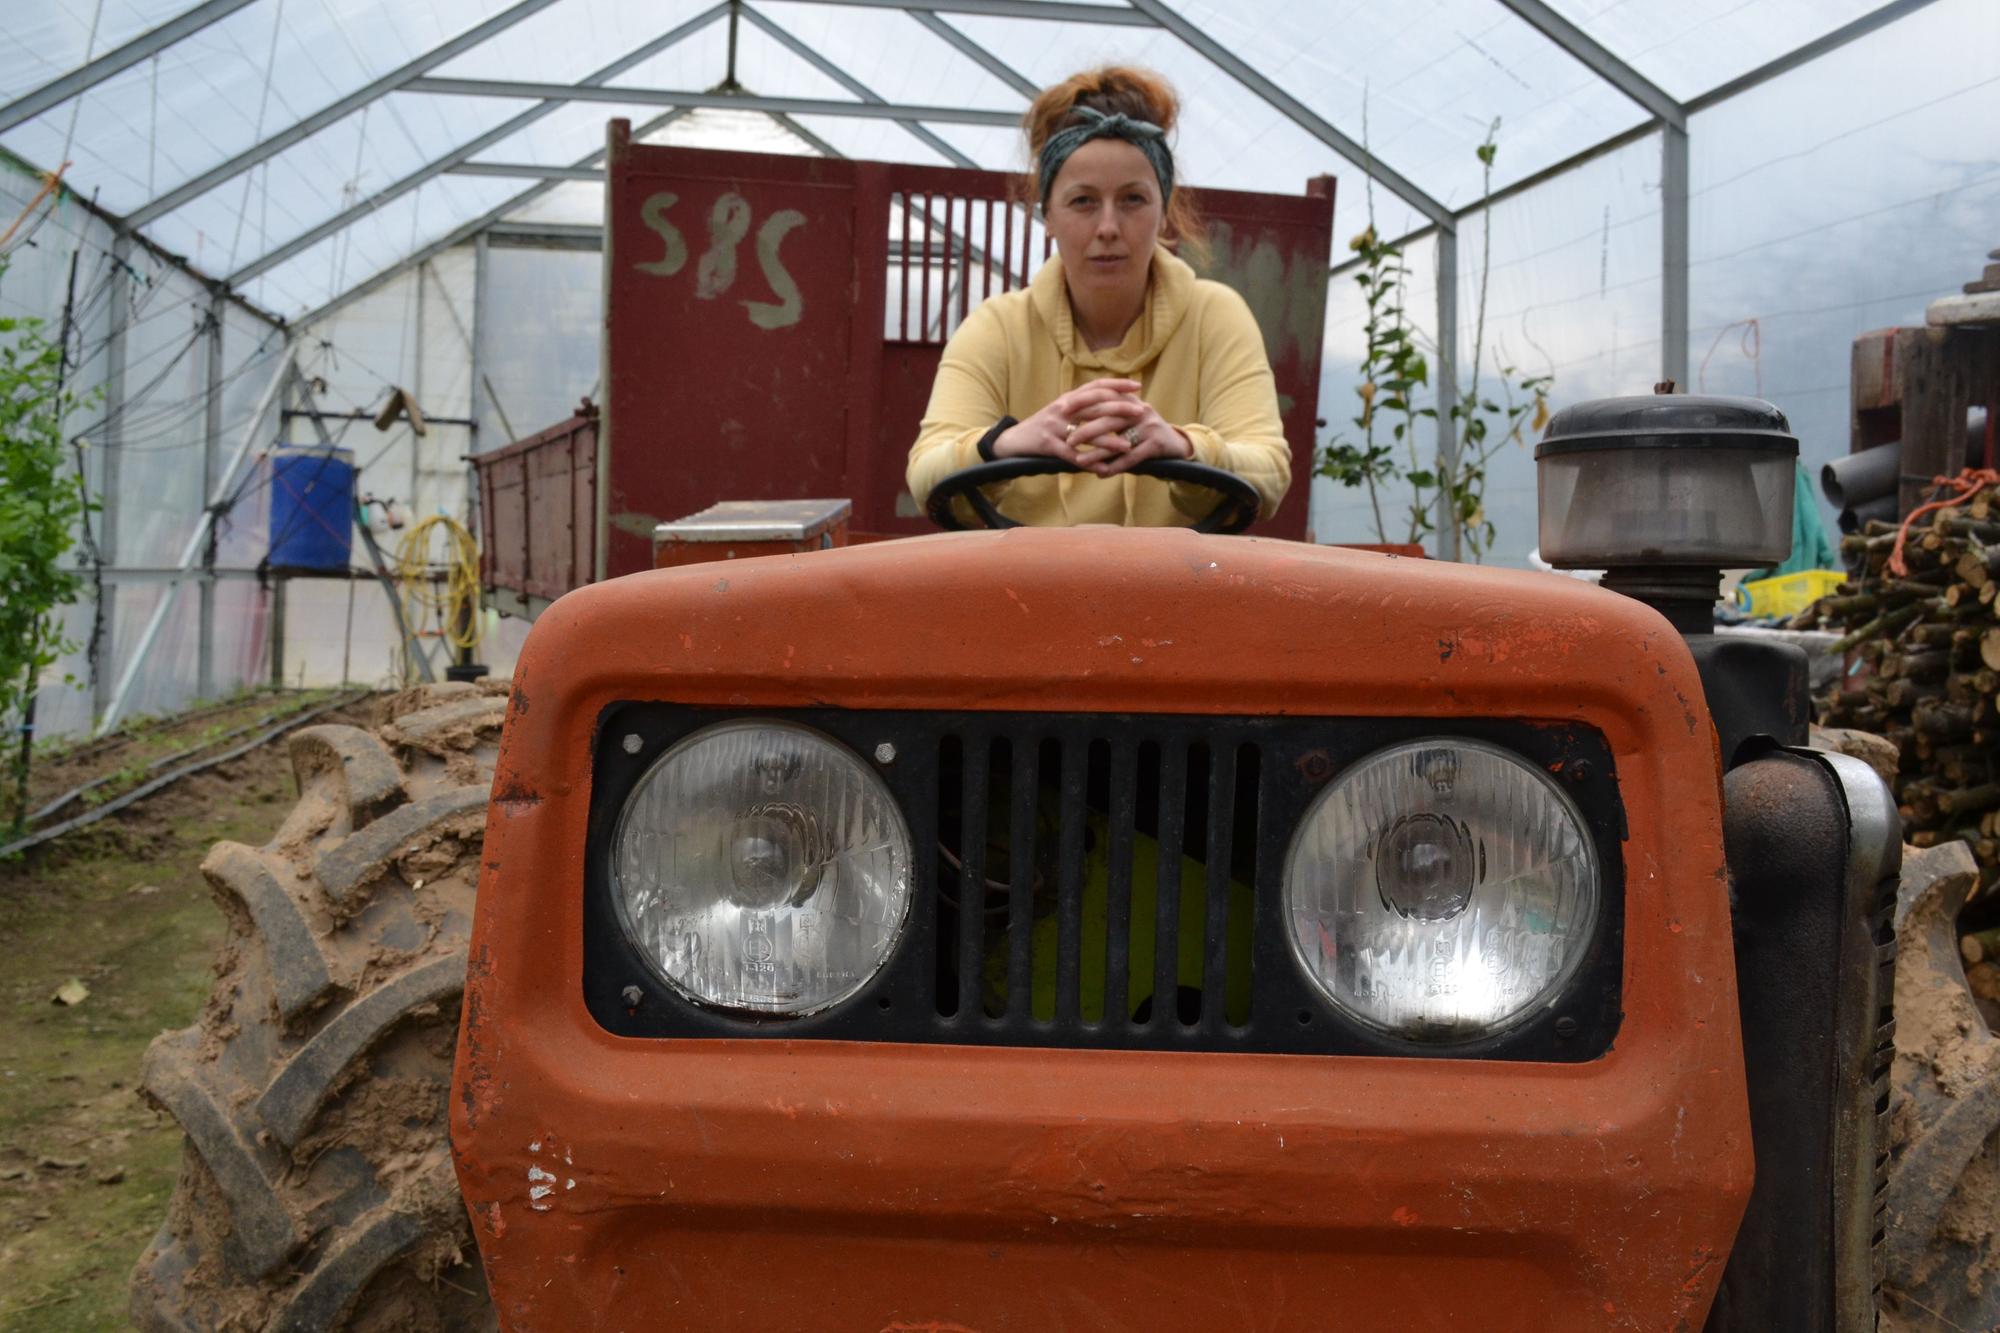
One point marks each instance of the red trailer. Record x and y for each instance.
(772, 327)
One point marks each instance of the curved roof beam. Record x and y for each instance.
(792, 106)
(853, 85)
(558, 95)
(466, 231)
(991, 63)
(525, 171)
(327, 115)
(1715, 96)
(81, 80)
(1672, 118)
(1298, 112)
(1052, 11)
(1599, 61)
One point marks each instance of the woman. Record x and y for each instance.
(1115, 353)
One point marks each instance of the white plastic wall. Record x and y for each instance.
(145, 460)
(1840, 197)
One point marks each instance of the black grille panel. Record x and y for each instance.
(1063, 859)
(1065, 878)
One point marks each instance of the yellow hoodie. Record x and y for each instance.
(1197, 354)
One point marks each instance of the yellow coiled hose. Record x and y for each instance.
(451, 608)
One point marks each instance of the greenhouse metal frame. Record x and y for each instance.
(1664, 114)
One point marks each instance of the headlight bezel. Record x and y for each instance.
(1436, 1033)
(768, 737)
(1290, 1015)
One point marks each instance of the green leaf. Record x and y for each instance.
(40, 505)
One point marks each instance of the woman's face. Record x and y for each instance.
(1104, 212)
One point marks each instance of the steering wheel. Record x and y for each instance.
(1237, 510)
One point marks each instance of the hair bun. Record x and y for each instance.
(1113, 89)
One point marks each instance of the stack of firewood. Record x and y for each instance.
(1925, 668)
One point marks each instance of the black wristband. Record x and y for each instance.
(986, 440)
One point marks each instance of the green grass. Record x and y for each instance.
(69, 1076)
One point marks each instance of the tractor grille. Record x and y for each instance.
(1096, 880)
(1096, 884)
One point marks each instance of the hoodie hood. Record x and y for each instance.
(1169, 294)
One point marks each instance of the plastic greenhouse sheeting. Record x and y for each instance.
(1840, 195)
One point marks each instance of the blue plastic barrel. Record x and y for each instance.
(312, 507)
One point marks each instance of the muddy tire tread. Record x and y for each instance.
(326, 1296)
(309, 1197)
(299, 971)
(424, 726)
(261, 1228)
(349, 864)
(1934, 1281)
(365, 769)
(166, 1262)
(293, 1099)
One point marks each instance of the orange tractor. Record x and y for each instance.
(1108, 928)
(1033, 929)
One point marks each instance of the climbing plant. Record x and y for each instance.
(1383, 454)
(41, 503)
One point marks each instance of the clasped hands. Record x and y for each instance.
(1103, 427)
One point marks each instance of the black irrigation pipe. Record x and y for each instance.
(165, 759)
(142, 726)
(168, 779)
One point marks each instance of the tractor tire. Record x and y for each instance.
(1942, 1243)
(316, 1187)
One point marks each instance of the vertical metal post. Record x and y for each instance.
(103, 673)
(211, 446)
(1446, 380)
(617, 147)
(479, 363)
(1674, 254)
(417, 388)
(481, 262)
(191, 551)
(278, 582)
(480, 323)
(471, 472)
(290, 402)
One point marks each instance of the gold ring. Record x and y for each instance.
(1070, 430)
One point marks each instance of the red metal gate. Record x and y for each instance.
(538, 514)
(773, 324)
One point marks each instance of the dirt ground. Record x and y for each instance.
(121, 907)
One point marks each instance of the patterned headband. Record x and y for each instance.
(1144, 135)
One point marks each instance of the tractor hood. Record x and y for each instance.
(1129, 620)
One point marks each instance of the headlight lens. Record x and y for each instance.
(760, 866)
(1441, 889)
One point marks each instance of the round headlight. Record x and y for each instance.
(1441, 889)
(760, 866)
